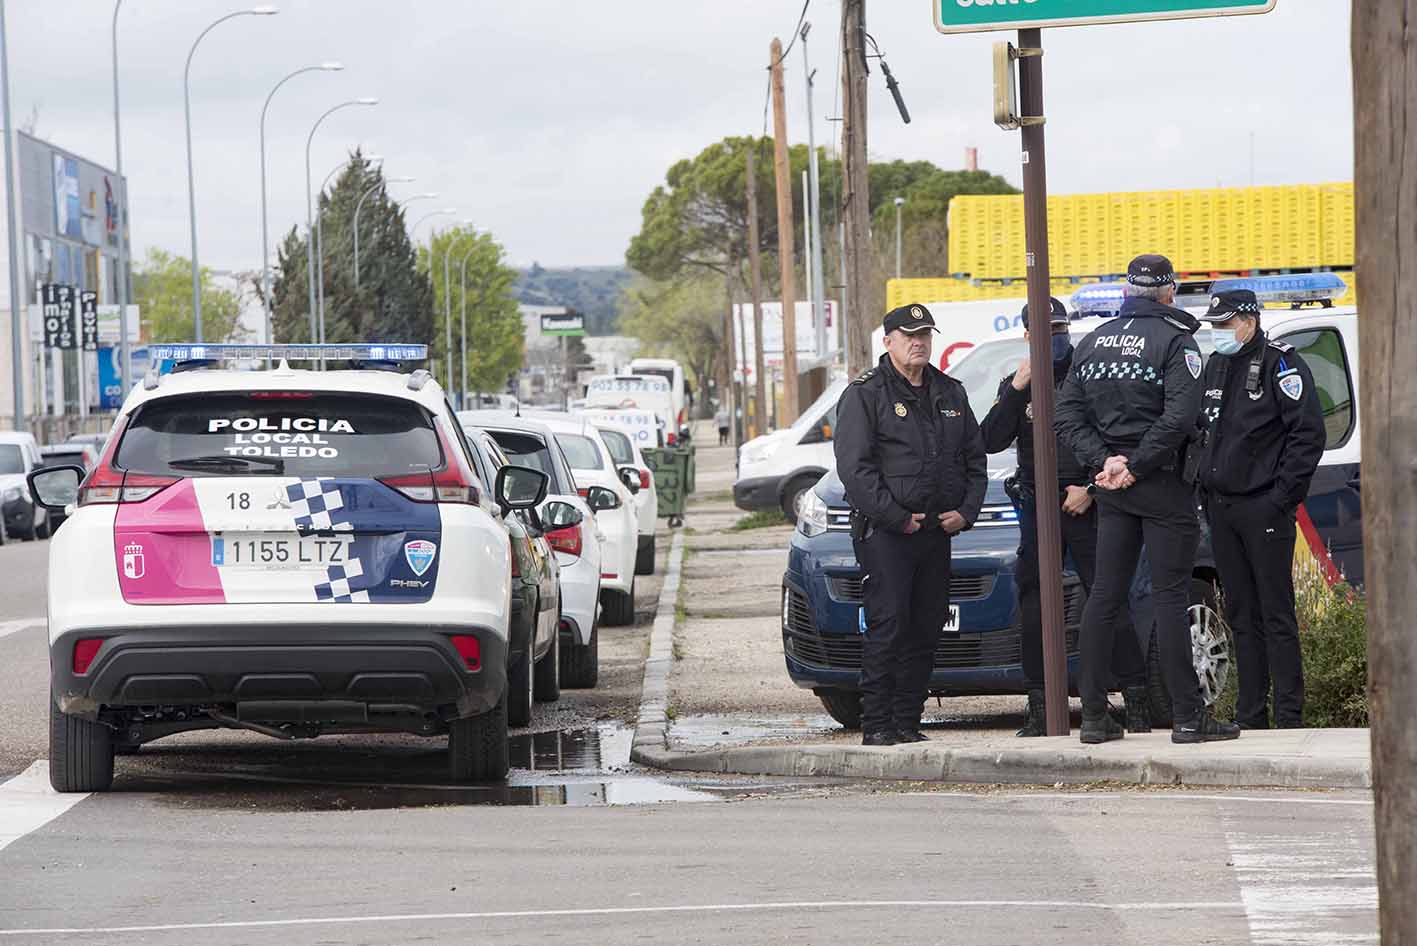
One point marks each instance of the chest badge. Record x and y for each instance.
(899, 409)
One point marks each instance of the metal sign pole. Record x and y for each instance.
(1040, 354)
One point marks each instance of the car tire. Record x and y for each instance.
(620, 607)
(30, 534)
(1203, 593)
(43, 530)
(844, 706)
(644, 559)
(580, 663)
(477, 746)
(80, 753)
(519, 691)
(547, 678)
(4, 533)
(791, 491)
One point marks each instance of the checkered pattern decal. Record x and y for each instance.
(1120, 371)
(318, 505)
(343, 581)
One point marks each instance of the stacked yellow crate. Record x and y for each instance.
(1336, 212)
(1094, 236)
(1195, 238)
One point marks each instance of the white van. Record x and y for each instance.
(631, 392)
(776, 468)
(673, 372)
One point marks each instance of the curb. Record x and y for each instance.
(652, 724)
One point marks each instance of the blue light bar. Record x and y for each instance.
(1100, 299)
(200, 352)
(1300, 287)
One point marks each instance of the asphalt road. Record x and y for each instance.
(233, 839)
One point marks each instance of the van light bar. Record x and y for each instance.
(1300, 287)
(303, 352)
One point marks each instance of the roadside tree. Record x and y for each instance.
(494, 325)
(162, 288)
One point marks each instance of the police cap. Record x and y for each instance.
(908, 318)
(1223, 305)
(1058, 316)
(1151, 270)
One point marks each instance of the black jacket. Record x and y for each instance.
(901, 450)
(1134, 389)
(1263, 438)
(1011, 419)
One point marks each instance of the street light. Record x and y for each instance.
(265, 238)
(309, 221)
(430, 214)
(320, 234)
(448, 300)
(360, 203)
(899, 202)
(446, 211)
(191, 181)
(124, 362)
(462, 332)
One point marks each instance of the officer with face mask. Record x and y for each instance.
(1128, 408)
(1263, 431)
(1010, 421)
(908, 452)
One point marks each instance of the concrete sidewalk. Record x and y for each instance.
(717, 697)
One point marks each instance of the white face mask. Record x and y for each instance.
(1225, 341)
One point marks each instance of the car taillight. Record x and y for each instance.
(84, 652)
(469, 649)
(566, 540)
(670, 439)
(644, 479)
(583, 492)
(281, 395)
(106, 485)
(448, 485)
(681, 417)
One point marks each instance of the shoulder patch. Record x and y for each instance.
(1193, 363)
(865, 376)
(1284, 347)
(1292, 386)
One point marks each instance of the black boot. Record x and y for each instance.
(1037, 722)
(1138, 705)
(1100, 728)
(885, 737)
(1203, 727)
(903, 736)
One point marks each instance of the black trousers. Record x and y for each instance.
(1079, 534)
(1160, 511)
(907, 597)
(1254, 553)
(722, 436)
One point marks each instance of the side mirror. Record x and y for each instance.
(559, 515)
(520, 487)
(684, 434)
(56, 487)
(599, 499)
(630, 477)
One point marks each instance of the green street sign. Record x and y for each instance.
(976, 16)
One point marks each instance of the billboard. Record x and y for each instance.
(772, 333)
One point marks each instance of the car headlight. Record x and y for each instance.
(757, 453)
(811, 513)
(12, 493)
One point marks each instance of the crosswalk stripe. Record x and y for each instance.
(28, 803)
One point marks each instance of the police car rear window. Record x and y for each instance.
(580, 452)
(279, 433)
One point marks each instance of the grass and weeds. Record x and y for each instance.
(1333, 634)
(762, 519)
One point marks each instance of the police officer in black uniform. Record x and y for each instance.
(909, 454)
(1128, 409)
(1010, 421)
(1264, 436)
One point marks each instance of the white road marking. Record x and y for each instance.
(1315, 886)
(1280, 799)
(14, 627)
(1157, 907)
(27, 803)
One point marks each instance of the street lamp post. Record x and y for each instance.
(448, 344)
(309, 213)
(448, 299)
(814, 222)
(125, 366)
(320, 236)
(899, 202)
(12, 230)
(462, 331)
(191, 180)
(360, 203)
(265, 237)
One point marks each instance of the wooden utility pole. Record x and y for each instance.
(786, 240)
(863, 314)
(755, 266)
(730, 362)
(1385, 139)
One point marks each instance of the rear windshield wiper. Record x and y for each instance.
(227, 461)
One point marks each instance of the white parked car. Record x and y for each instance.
(20, 516)
(291, 552)
(593, 465)
(578, 547)
(777, 468)
(627, 455)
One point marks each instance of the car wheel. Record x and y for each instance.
(619, 607)
(80, 753)
(580, 663)
(844, 706)
(43, 530)
(519, 691)
(644, 559)
(792, 491)
(1212, 652)
(548, 671)
(4, 534)
(32, 533)
(477, 746)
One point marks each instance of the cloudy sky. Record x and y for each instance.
(549, 122)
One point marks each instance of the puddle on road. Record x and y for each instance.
(556, 768)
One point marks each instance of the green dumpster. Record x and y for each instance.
(672, 469)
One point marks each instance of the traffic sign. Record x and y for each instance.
(975, 16)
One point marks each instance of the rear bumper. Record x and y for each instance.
(760, 492)
(378, 665)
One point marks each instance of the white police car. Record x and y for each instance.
(293, 552)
